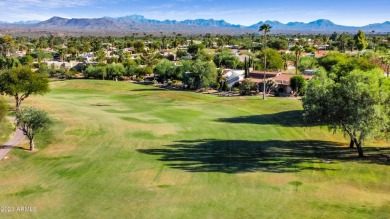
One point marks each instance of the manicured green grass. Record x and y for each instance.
(6, 131)
(119, 150)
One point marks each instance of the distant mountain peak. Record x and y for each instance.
(56, 18)
(322, 22)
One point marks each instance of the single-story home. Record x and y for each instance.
(281, 79)
(233, 76)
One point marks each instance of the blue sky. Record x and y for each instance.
(245, 12)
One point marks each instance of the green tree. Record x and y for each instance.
(287, 57)
(298, 50)
(274, 60)
(349, 64)
(386, 61)
(139, 46)
(95, 72)
(266, 28)
(150, 60)
(203, 55)
(7, 45)
(100, 56)
(69, 73)
(298, 84)
(180, 53)
(201, 74)
(9, 62)
(360, 39)
(27, 60)
(307, 62)
(278, 44)
(343, 41)
(194, 49)
(3, 109)
(61, 54)
(247, 86)
(351, 44)
(115, 70)
(32, 121)
(226, 59)
(143, 71)
(21, 83)
(164, 69)
(356, 105)
(183, 68)
(331, 59)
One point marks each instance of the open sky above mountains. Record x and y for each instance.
(244, 12)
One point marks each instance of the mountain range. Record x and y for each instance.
(138, 23)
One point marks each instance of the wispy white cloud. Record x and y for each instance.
(45, 4)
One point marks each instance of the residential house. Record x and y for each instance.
(281, 79)
(283, 82)
(233, 76)
(20, 53)
(67, 65)
(129, 50)
(165, 52)
(87, 56)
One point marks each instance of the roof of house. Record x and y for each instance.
(257, 76)
(224, 71)
(284, 51)
(285, 78)
(320, 53)
(279, 77)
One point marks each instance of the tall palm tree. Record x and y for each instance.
(343, 40)
(266, 28)
(297, 49)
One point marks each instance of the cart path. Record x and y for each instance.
(15, 140)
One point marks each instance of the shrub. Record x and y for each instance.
(247, 86)
(298, 84)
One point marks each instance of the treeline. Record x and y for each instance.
(112, 60)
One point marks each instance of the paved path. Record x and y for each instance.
(18, 137)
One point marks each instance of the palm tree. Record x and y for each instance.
(343, 40)
(266, 28)
(326, 39)
(298, 51)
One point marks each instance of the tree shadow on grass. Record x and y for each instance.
(293, 118)
(10, 147)
(238, 156)
(149, 89)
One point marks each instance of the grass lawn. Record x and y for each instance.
(6, 131)
(119, 150)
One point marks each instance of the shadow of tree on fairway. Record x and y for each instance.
(237, 156)
(148, 89)
(293, 118)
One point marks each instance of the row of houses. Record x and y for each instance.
(282, 79)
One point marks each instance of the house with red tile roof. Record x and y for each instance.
(282, 79)
(258, 76)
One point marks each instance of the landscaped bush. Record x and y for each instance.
(247, 86)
